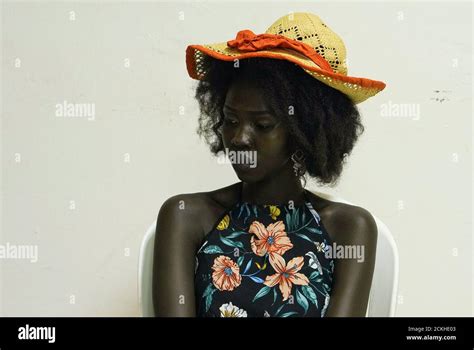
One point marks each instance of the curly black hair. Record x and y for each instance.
(325, 125)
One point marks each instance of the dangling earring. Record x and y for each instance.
(299, 166)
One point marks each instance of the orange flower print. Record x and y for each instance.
(226, 275)
(287, 274)
(272, 239)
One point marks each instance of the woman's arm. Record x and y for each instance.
(177, 232)
(352, 278)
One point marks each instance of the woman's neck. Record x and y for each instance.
(276, 190)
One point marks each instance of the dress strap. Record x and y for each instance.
(306, 196)
(310, 206)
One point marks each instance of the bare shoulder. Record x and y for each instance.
(346, 223)
(194, 214)
(183, 206)
(195, 205)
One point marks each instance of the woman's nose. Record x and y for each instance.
(243, 137)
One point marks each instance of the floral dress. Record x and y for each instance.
(264, 261)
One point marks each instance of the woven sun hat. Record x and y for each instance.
(301, 38)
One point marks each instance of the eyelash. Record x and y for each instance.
(234, 122)
(230, 122)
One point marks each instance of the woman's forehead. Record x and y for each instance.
(245, 97)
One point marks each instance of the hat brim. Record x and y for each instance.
(357, 89)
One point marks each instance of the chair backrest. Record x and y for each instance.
(145, 272)
(382, 299)
(383, 292)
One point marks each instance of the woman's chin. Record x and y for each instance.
(247, 174)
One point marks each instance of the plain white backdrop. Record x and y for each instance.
(85, 189)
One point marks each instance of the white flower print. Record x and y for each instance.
(229, 310)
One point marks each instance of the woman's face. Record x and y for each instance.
(251, 127)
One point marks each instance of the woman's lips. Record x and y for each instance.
(243, 167)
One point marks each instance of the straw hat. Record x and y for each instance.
(301, 38)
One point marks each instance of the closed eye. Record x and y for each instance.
(230, 121)
(265, 126)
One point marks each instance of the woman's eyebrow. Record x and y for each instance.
(250, 112)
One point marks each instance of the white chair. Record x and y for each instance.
(382, 298)
(383, 292)
(145, 272)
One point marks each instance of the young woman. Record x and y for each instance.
(283, 105)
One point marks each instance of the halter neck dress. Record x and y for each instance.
(264, 261)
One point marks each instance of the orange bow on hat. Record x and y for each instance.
(246, 40)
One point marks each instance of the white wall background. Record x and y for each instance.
(86, 190)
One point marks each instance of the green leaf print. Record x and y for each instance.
(301, 299)
(246, 207)
(248, 266)
(288, 222)
(241, 210)
(209, 300)
(236, 234)
(274, 296)
(310, 294)
(296, 218)
(304, 237)
(314, 275)
(279, 309)
(231, 243)
(240, 260)
(262, 292)
(256, 279)
(213, 249)
(287, 314)
(255, 211)
(210, 290)
(314, 230)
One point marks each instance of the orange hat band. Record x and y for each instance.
(246, 40)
